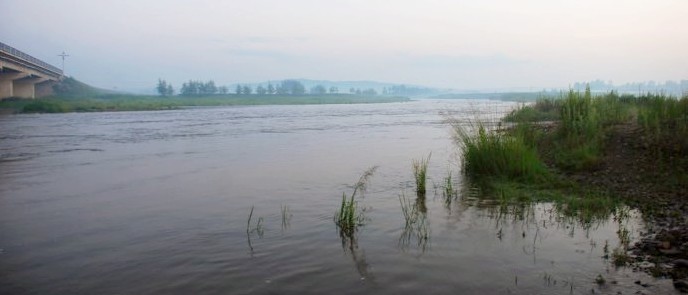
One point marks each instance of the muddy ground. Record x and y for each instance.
(653, 179)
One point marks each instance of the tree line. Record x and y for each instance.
(285, 87)
(669, 87)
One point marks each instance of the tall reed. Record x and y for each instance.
(350, 216)
(498, 155)
(420, 173)
(664, 120)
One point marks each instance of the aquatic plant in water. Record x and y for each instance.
(420, 171)
(415, 222)
(286, 216)
(258, 228)
(448, 191)
(350, 216)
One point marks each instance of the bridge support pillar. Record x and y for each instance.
(24, 88)
(7, 84)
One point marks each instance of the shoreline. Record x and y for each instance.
(580, 151)
(115, 103)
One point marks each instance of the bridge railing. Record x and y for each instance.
(16, 52)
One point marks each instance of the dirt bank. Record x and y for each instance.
(651, 179)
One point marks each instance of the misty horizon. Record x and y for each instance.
(472, 45)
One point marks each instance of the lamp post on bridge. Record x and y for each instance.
(63, 55)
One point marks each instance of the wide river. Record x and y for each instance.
(159, 203)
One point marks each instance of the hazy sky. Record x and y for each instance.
(129, 44)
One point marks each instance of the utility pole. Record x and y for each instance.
(63, 55)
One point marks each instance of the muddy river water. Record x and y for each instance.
(158, 203)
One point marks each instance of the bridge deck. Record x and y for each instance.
(20, 57)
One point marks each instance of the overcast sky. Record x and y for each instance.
(129, 44)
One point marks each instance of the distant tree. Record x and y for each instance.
(193, 87)
(223, 90)
(169, 91)
(369, 91)
(260, 90)
(281, 90)
(184, 90)
(190, 88)
(352, 90)
(239, 89)
(163, 87)
(334, 89)
(293, 87)
(318, 89)
(247, 90)
(358, 91)
(207, 88)
(271, 89)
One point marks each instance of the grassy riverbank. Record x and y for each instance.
(589, 153)
(114, 102)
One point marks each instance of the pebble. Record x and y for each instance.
(670, 252)
(681, 263)
(681, 285)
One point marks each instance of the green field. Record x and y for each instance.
(115, 102)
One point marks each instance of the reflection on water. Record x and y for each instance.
(415, 223)
(161, 202)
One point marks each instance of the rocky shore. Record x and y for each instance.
(647, 178)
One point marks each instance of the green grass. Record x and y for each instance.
(119, 102)
(420, 173)
(448, 191)
(498, 155)
(350, 216)
(509, 165)
(665, 123)
(583, 121)
(544, 109)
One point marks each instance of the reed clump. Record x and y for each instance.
(350, 216)
(498, 155)
(420, 173)
(448, 191)
(664, 121)
(530, 160)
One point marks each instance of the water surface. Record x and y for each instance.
(158, 202)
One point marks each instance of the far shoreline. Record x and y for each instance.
(119, 102)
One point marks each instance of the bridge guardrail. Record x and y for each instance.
(16, 52)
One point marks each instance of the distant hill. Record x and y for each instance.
(72, 87)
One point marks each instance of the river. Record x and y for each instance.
(159, 203)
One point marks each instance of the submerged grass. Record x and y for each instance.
(258, 228)
(448, 191)
(420, 173)
(415, 223)
(350, 215)
(286, 216)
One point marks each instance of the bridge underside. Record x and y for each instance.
(24, 82)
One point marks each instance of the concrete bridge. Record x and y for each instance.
(25, 76)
